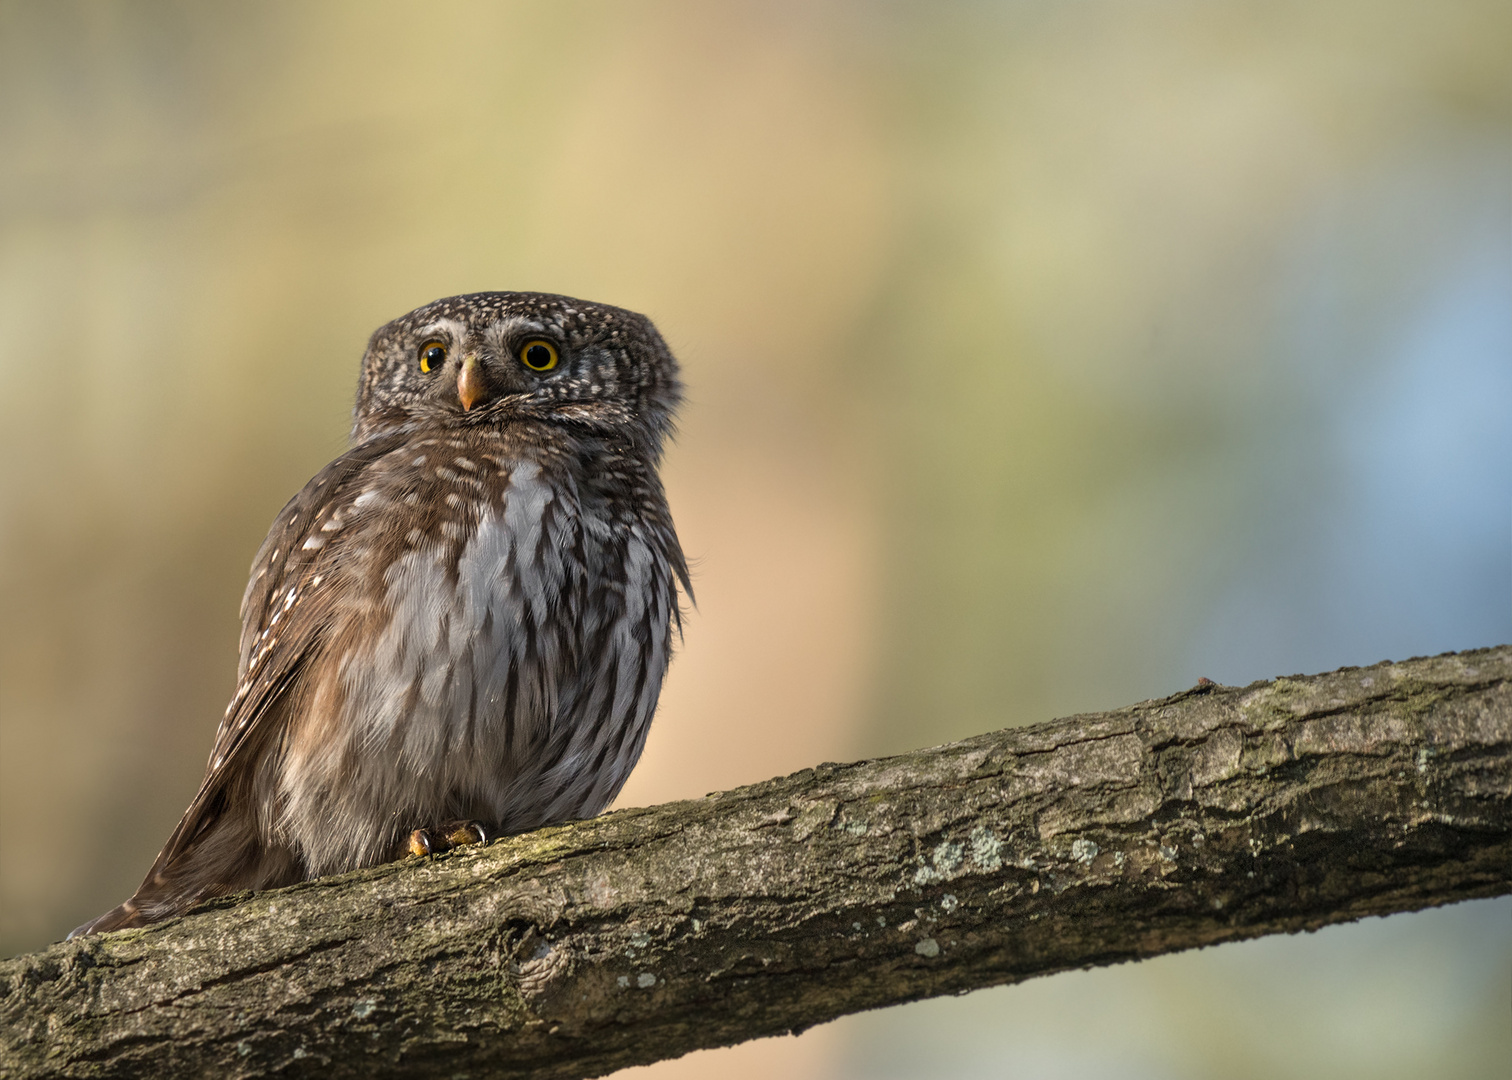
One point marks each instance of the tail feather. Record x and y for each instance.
(226, 858)
(120, 917)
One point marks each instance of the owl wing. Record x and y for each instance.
(285, 611)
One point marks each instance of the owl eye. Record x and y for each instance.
(432, 356)
(538, 355)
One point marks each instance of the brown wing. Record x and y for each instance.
(285, 612)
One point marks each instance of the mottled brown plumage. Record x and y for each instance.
(464, 618)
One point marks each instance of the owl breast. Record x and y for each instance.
(509, 678)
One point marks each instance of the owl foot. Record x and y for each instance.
(457, 834)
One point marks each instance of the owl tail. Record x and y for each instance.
(226, 857)
(120, 917)
(168, 891)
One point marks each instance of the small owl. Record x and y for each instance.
(459, 628)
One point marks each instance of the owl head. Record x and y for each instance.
(488, 358)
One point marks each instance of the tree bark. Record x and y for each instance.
(1214, 815)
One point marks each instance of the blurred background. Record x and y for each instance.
(1041, 358)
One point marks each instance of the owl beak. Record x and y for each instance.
(471, 388)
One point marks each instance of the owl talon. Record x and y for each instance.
(460, 833)
(457, 834)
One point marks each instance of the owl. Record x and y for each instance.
(459, 628)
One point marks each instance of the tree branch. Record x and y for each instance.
(1214, 815)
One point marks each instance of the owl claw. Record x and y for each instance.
(457, 834)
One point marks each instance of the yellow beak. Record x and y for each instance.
(471, 388)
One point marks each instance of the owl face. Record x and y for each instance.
(487, 358)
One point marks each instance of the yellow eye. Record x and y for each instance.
(432, 356)
(538, 355)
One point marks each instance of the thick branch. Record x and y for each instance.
(1216, 814)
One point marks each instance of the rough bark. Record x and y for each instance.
(1217, 814)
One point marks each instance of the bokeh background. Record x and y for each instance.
(1042, 358)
